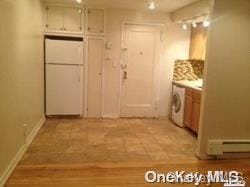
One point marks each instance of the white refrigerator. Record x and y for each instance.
(64, 72)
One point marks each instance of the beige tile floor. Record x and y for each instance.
(70, 141)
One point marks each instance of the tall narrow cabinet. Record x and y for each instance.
(95, 32)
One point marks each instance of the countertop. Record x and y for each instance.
(197, 84)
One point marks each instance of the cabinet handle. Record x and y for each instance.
(125, 75)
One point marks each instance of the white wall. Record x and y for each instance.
(176, 46)
(226, 102)
(21, 74)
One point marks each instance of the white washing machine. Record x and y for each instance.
(178, 105)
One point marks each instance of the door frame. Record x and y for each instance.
(158, 64)
(86, 67)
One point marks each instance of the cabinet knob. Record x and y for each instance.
(80, 28)
(46, 25)
(89, 29)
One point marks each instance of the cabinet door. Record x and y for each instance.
(188, 111)
(73, 19)
(188, 107)
(54, 18)
(94, 88)
(95, 21)
(195, 116)
(196, 111)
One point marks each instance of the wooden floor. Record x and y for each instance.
(111, 153)
(113, 174)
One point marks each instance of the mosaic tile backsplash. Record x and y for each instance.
(188, 70)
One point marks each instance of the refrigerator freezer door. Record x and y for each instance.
(63, 89)
(63, 52)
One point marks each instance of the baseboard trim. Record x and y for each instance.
(111, 116)
(204, 157)
(18, 156)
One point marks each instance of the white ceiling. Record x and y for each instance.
(162, 5)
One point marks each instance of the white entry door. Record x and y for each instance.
(140, 67)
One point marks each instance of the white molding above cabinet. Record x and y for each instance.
(95, 21)
(63, 20)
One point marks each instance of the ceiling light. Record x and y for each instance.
(206, 23)
(79, 1)
(194, 24)
(151, 5)
(184, 26)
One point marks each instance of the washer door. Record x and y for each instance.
(176, 103)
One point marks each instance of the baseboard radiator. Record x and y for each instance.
(220, 147)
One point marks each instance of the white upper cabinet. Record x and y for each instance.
(95, 21)
(54, 18)
(73, 19)
(65, 19)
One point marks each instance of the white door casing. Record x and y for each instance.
(140, 70)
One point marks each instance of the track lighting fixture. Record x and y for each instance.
(184, 26)
(206, 23)
(151, 5)
(194, 24)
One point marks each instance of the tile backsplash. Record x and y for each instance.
(188, 70)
